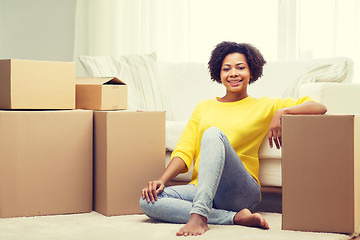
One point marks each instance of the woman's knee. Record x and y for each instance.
(152, 210)
(145, 206)
(212, 133)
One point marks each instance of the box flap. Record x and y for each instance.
(99, 81)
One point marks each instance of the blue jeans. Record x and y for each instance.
(224, 187)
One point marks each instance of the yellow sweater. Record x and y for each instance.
(245, 123)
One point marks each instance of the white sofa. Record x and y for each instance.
(178, 87)
(188, 83)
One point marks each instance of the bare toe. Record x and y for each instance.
(197, 225)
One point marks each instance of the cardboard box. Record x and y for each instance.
(26, 84)
(129, 152)
(45, 162)
(321, 173)
(101, 94)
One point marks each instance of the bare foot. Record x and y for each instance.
(196, 225)
(246, 218)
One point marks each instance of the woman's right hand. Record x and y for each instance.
(152, 189)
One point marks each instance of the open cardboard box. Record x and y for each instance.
(29, 84)
(321, 173)
(101, 93)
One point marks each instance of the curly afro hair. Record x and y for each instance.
(253, 56)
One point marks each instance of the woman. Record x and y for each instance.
(222, 139)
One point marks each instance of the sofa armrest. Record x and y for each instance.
(339, 98)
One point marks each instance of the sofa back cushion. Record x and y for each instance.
(187, 84)
(283, 78)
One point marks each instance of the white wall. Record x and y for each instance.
(37, 29)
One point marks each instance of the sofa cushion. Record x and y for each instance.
(174, 130)
(270, 172)
(266, 152)
(339, 98)
(334, 70)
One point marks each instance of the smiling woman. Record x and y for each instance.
(221, 140)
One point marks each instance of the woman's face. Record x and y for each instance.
(235, 73)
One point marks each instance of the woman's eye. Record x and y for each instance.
(225, 69)
(241, 68)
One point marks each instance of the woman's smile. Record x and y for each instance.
(235, 82)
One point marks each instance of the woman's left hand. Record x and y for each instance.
(275, 129)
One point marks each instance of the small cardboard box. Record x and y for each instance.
(27, 84)
(321, 173)
(101, 94)
(129, 152)
(45, 162)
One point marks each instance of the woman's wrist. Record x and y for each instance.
(162, 181)
(282, 111)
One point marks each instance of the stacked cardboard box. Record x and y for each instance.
(129, 147)
(101, 94)
(47, 148)
(29, 84)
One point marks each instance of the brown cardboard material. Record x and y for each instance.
(321, 173)
(28, 84)
(101, 94)
(129, 152)
(45, 162)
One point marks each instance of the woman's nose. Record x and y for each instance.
(234, 72)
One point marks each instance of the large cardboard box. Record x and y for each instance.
(27, 84)
(321, 173)
(45, 162)
(101, 94)
(129, 152)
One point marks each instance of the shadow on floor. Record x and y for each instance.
(271, 201)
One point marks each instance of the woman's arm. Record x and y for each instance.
(304, 108)
(150, 192)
